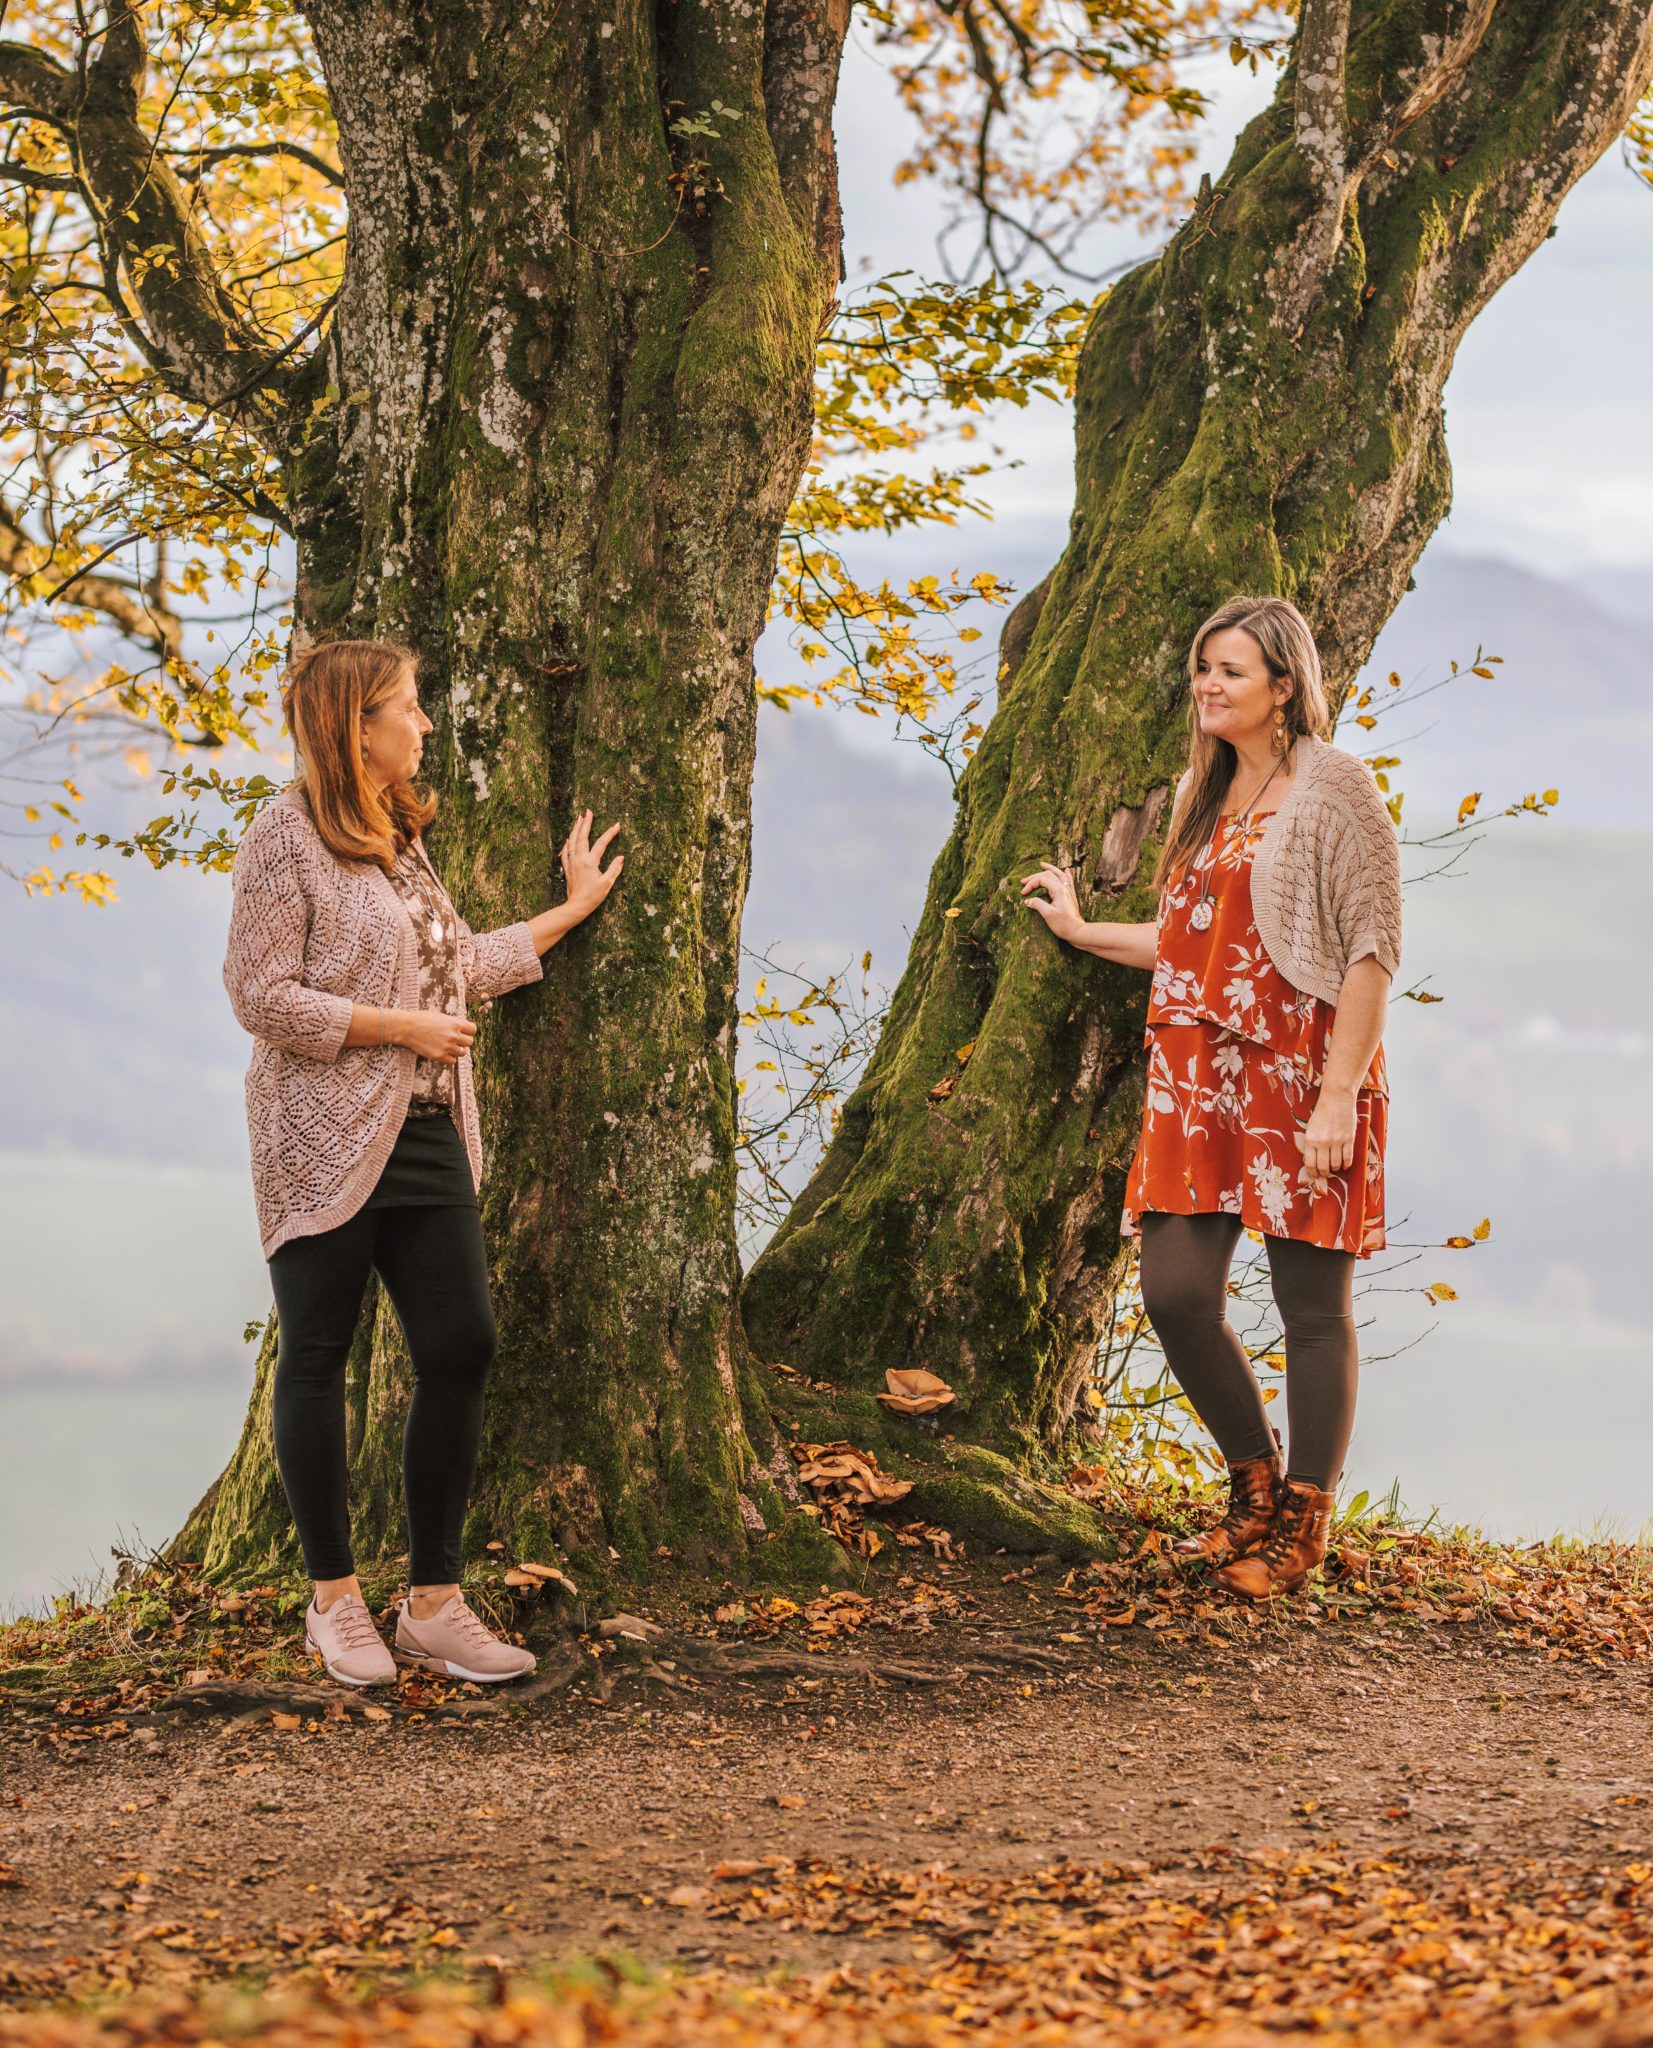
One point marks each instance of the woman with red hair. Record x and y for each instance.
(352, 970)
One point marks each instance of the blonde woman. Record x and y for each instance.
(352, 970)
(1277, 937)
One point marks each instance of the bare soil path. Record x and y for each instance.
(565, 1827)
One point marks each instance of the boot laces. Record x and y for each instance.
(1289, 1523)
(1244, 1501)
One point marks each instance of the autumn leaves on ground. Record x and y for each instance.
(977, 1798)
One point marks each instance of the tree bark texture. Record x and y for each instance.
(562, 409)
(1259, 409)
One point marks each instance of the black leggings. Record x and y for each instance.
(1184, 1272)
(435, 1271)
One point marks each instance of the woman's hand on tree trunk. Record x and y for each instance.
(1060, 907)
(582, 865)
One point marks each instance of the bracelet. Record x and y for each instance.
(384, 1027)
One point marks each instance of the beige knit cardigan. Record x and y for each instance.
(1325, 879)
(310, 935)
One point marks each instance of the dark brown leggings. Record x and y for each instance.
(1184, 1271)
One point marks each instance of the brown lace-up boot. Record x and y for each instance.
(1293, 1547)
(1252, 1487)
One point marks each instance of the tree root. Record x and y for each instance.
(228, 1696)
(651, 1662)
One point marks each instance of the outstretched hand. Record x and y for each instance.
(1060, 906)
(582, 866)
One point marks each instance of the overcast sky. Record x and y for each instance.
(1549, 407)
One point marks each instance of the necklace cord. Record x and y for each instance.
(1241, 818)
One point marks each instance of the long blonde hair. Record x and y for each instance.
(329, 689)
(1287, 647)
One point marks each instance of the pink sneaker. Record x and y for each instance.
(347, 1643)
(459, 1644)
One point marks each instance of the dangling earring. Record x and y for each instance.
(1282, 738)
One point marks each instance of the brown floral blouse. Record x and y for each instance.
(437, 930)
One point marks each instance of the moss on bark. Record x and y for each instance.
(1258, 409)
(568, 411)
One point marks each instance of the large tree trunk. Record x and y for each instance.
(565, 406)
(1258, 410)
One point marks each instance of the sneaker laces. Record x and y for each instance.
(351, 1622)
(471, 1624)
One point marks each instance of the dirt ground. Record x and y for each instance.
(563, 1827)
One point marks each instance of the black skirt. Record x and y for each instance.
(428, 1168)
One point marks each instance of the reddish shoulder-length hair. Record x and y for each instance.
(329, 689)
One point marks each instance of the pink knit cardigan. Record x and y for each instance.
(310, 935)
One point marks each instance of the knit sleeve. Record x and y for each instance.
(496, 962)
(1365, 872)
(264, 959)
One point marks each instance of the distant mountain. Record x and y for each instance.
(1571, 706)
(1621, 589)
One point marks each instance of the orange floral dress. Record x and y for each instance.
(1235, 1058)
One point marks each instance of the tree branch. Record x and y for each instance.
(1398, 98)
(803, 42)
(1321, 115)
(186, 324)
(1600, 58)
(35, 85)
(221, 152)
(1343, 123)
(137, 613)
(35, 181)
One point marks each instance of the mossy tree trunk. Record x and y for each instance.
(1259, 409)
(563, 409)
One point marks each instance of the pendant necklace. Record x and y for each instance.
(1202, 913)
